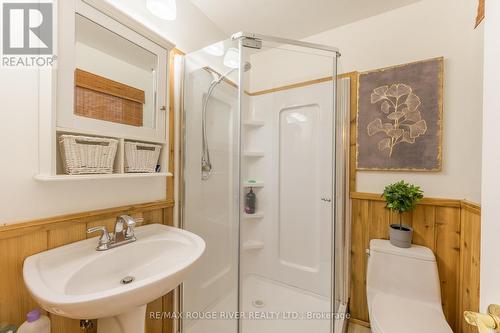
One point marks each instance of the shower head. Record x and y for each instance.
(206, 165)
(246, 67)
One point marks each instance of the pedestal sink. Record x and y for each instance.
(113, 286)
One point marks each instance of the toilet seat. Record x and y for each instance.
(392, 314)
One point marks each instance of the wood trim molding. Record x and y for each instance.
(354, 76)
(170, 195)
(18, 229)
(470, 258)
(302, 84)
(471, 206)
(424, 201)
(225, 79)
(291, 86)
(359, 322)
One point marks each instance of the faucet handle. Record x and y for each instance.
(130, 228)
(105, 237)
(131, 223)
(125, 225)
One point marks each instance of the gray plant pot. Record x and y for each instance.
(400, 237)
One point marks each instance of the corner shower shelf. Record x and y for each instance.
(255, 216)
(254, 123)
(254, 154)
(254, 185)
(253, 245)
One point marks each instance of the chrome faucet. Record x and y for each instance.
(124, 233)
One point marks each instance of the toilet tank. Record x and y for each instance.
(410, 273)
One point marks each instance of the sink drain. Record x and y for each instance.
(127, 280)
(258, 303)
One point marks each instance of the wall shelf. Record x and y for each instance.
(253, 245)
(254, 154)
(257, 215)
(254, 123)
(254, 185)
(62, 178)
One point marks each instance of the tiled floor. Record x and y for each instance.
(353, 328)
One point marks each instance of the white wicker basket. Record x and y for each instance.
(87, 155)
(141, 157)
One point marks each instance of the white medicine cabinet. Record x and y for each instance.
(110, 81)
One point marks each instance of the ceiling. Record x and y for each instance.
(202, 22)
(191, 30)
(295, 19)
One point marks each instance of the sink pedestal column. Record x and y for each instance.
(131, 322)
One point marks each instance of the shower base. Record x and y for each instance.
(268, 298)
(265, 298)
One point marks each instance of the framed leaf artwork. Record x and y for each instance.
(399, 123)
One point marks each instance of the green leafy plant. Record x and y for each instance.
(402, 197)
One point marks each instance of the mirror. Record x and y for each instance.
(115, 79)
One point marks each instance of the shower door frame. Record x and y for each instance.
(340, 160)
(340, 156)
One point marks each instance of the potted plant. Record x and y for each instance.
(401, 197)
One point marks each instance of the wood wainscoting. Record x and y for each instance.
(450, 228)
(19, 241)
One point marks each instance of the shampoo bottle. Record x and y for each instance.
(250, 202)
(35, 323)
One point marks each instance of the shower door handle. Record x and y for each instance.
(326, 199)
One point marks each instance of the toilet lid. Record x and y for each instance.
(392, 314)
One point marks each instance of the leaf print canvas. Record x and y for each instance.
(399, 117)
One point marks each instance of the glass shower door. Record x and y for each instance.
(261, 117)
(287, 105)
(210, 197)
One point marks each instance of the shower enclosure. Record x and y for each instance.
(266, 115)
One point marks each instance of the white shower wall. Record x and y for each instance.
(295, 230)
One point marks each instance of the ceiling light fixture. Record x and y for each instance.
(164, 9)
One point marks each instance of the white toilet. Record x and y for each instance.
(403, 290)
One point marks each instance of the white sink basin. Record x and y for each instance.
(78, 282)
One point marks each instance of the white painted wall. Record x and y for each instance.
(21, 196)
(426, 29)
(490, 228)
